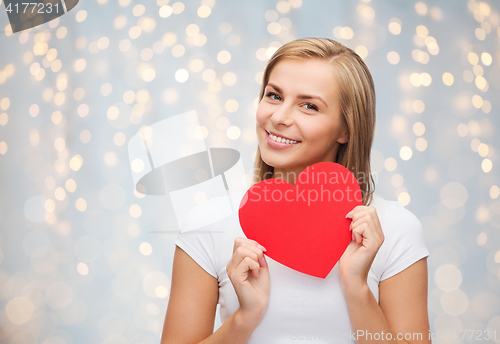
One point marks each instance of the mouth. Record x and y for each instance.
(281, 140)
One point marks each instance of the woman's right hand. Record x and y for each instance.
(249, 274)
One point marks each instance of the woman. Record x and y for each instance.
(317, 103)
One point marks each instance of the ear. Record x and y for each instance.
(343, 138)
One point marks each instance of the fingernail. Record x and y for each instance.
(349, 214)
(256, 274)
(352, 235)
(261, 247)
(261, 261)
(350, 227)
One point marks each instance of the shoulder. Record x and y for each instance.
(394, 216)
(404, 241)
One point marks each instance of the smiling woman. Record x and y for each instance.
(326, 91)
(317, 104)
(314, 120)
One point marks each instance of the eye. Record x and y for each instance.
(271, 95)
(312, 107)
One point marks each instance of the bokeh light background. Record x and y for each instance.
(86, 259)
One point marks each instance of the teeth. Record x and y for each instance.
(281, 139)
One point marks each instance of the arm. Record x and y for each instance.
(402, 297)
(192, 306)
(403, 308)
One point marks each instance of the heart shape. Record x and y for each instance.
(303, 226)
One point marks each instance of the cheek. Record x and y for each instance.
(261, 114)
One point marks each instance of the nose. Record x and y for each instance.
(282, 116)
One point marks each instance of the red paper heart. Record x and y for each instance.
(303, 226)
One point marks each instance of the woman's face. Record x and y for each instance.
(300, 103)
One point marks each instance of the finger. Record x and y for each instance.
(237, 242)
(252, 246)
(360, 233)
(368, 218)
(246, 265)
(240, 254)
(354, 210)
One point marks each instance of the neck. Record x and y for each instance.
(288, 175)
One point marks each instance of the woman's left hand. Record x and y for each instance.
(357, 259)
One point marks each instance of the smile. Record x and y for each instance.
(281, 139)
(279, 142)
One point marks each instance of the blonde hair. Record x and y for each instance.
(357, 99)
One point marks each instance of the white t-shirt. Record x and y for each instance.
(302, 307)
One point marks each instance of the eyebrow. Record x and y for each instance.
(300, 96)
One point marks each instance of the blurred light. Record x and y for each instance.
(138, 10)
(60, 194)
(482, 238)
(70, 185)
(82, 269)
(393, 57)
(181, 75)
(422, 31)
(19, 310)
(494, 192)
(486, 59)
(223, 56)
(85, 136)
(61, 32)
(404, 198)
(81, 204)
(145, 249)
(480, 34)
(271, 15)
(418, 106)
(482, 149)
(362, 51)
(405, 153)
(486, 165)
(231, 105)
(81, 16)
(135, 210)
(233, 132)
(283, 6)
(229, 79)
(178, 50)
(178, 7)
(473, 58)
(165, 11)
(76, 162)
(196, 65)
(390, 164)
(395, 26)
(448, 79)
(204, 11)
(120, 22)
(119, 139)
(82, 110)
(137, 165)
(134, 32)
(421, 8)
(421, 144)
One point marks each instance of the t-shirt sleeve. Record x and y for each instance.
(199, 245)
(403, 239)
